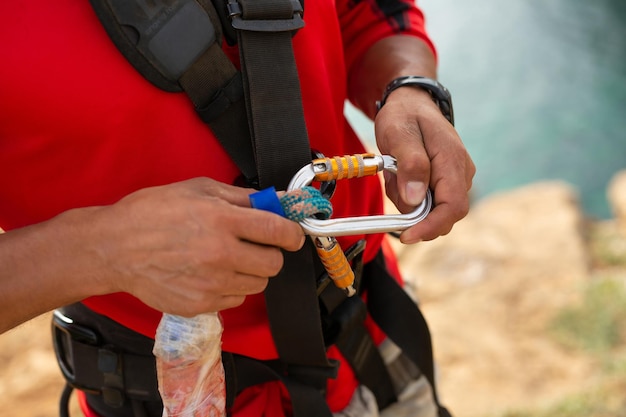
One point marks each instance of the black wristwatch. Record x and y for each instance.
(440, 94)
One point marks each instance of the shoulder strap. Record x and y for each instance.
(272, 87)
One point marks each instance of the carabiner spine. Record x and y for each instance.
(382, 223)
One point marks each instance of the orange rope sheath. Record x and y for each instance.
(336, 264)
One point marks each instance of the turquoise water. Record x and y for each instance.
(539, 90)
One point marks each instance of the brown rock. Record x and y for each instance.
(489, 290)
(616, 195)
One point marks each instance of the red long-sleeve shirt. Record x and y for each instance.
(80, 127)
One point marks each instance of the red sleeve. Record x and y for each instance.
(363, 22)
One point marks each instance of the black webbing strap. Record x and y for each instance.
(272, 86)
(359, 349)
(414, 340)
(242, 372)
(215, 87)
(278, 130)
(294, 316)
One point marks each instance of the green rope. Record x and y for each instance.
(305, 202)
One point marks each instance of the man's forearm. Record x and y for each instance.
(39, 271)
(387, 59)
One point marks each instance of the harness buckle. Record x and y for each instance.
(65, 331)
(355, 166)
(291, 21)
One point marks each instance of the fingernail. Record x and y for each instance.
(408, 240)
(412, 242)
(415, 192)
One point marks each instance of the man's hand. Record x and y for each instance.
(186, 248)
(430, 154)
(194, 246)
(411, 128)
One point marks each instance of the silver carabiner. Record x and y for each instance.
(355, 166)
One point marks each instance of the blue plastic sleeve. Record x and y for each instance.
(267, 200)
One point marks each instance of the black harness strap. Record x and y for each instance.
(272, 86)
(243, 372)
(359, 349)
(404, 323)
(294, 316)
(216, 89)
(278, 130)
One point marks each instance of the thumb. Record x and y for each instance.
(412, 179)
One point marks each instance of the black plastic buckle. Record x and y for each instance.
(237, 12)
(65, 333)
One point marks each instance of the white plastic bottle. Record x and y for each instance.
(189, 366)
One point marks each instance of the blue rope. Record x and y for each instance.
(305, 202)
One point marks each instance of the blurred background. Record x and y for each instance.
(539, 90)
(526, 297)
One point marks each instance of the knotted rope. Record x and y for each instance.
(305, 202)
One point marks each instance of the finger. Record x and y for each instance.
(232, 294)
(449, 208)
(229, 301)
(187, 308)
(436, 224)
(402, 138)
(269, 229)
(413, 176)
(255, 225)
(194, 295)
(252, 259)
(452, 171)
(245, 284)
(238, 196)
(226, 283)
